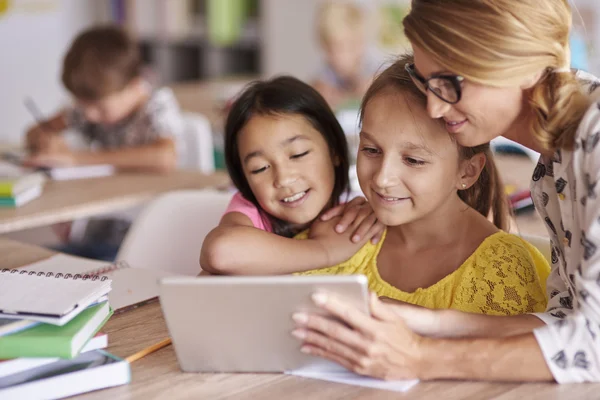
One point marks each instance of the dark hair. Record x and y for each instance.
(284, 95)
(101, 61)
(487, 194)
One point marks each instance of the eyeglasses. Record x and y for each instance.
(445, 86)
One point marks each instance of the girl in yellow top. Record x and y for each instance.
(439, 250)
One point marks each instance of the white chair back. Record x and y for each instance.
(168, 233)
(198, 152)
(542, 243)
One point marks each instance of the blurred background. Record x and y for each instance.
(196, 40)
(181, 41)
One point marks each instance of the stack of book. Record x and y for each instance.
(18, 185)
(49, 336)
(520, 200)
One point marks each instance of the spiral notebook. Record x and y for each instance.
(41, 297)
(130, 286)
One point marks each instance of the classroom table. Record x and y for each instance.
(63, 201)
(158, 375)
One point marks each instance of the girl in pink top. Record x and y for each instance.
(287, 155)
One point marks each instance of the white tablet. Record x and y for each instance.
(243, 324)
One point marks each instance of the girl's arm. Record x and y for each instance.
(237, 247)
(159, 156)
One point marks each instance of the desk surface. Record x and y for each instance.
(158, 376)
(68, 200)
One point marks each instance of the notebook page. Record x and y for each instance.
(66, 264)
(130, 286)
(34, 294)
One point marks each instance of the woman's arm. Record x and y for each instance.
(382, 345)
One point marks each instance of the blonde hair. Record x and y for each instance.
(500, 43)
(337, 19)
(487, 195)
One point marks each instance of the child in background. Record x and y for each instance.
(341, 28)
(288, 157)
(439, 249)
(124, 120)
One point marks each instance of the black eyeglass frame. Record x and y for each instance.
(455, 80)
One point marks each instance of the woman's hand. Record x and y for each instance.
(358, 209)
(380, 345)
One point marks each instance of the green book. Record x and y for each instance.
(46, 340)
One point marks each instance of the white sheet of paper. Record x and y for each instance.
(350, 378)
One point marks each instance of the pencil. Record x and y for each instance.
(148, 350)
(37, 116)
(34, 111)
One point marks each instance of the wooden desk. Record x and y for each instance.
(68, 200)
(158, 375)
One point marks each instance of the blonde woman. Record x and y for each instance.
(497, 68)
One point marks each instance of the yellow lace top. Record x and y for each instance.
(505, 276)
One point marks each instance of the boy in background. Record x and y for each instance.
(341, 29)
(123, 119)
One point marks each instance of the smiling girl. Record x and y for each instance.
(287, 155)
(434, 195)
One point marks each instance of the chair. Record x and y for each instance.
(169, 232)
(197, 138)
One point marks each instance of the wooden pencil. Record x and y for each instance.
(148, 350)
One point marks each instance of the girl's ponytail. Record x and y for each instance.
(487, 195)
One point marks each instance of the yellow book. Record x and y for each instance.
(15, 180)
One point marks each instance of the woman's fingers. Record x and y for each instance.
(316, 351)
(346, 312)
(320, 327)
(381, 310)
(329, 344)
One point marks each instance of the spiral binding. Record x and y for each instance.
(92, 275)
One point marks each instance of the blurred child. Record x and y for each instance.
(348, 71)
(123, 119)
(287, 155)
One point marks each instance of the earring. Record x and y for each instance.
(464, 186)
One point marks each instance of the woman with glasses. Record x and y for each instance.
(494, 68)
